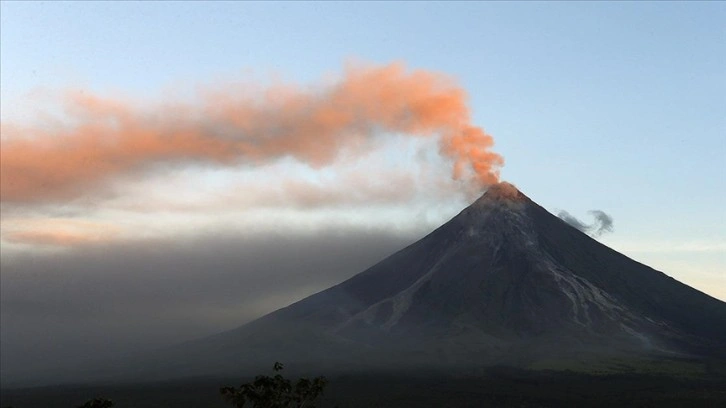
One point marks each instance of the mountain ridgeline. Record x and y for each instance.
(502, 283)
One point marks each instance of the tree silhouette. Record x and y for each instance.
(275, 392)
(97, 403)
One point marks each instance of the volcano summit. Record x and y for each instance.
(503, 282)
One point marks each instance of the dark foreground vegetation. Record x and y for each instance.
(494, 388)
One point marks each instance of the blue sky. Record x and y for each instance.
(612, 106)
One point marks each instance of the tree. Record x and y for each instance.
(97, 403)
(275, 392)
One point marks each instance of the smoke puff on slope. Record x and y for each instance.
(603, 222)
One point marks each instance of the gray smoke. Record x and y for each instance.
(61, 312)
(603, 222)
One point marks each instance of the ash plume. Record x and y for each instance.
(105, 139)
(602, 222)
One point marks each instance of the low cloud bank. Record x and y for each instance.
(117, 298)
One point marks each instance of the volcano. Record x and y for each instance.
(503, 282)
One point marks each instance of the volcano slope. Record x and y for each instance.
(502, 283)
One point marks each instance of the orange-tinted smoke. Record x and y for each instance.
(110, 138)
(53, 238)
(58, 232)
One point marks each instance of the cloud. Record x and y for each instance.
(54, 238)
(162, 207)
(284, 187)
(603, 222)
(58, 232)
(119, 297)
(715, 246)
(101, 140)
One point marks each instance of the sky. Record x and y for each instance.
(170, 228)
